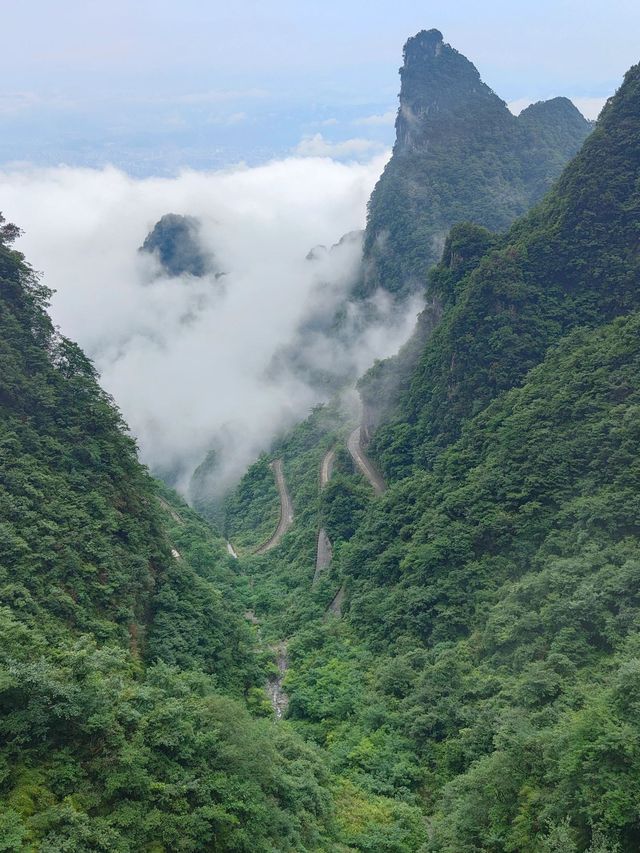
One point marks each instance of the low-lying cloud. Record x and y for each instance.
(348, 149)
(190, 360)
(387, 119)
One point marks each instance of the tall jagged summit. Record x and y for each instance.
(176, 242)
(460, 155)
(438, 85)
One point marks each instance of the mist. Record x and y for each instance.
(189, 360)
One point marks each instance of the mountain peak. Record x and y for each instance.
(559, 108)
(175, 240)
(423, 44)
(460, 155)
(440, 89)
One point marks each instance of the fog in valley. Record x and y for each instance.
(190, 360)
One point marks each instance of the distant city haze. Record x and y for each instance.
(153, 88)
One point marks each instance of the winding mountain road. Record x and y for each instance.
(335, 608)
(324, 551)
(278, 697)
(326, 468)
(286, 510)
(324, 554)
(364, 464)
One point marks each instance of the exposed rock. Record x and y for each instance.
(460, 155)
(176, 242)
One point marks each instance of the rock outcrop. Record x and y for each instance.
(460, 155)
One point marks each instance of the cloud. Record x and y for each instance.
(187, 360)
(383, 120)
(589, 107)
(317, 146)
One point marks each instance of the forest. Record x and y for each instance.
(463, 674)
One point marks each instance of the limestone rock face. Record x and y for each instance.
(438, 86)
(459, 156)
(175, 240)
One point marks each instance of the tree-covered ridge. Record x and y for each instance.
(122, 640)
(492, 623)
(572, 261)
(484, 673)
(460, 155)
(80, 529)
(498, 595)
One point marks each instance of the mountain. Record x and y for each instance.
(460, 155)
(472, 652)
(461, 670)
(561, 266)
(176, 243)
(130, 681)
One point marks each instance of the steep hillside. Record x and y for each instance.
(126, 668)
(481, 668)
(572, 261)
(499, 596)
(459, 155)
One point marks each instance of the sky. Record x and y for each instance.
(153, 87)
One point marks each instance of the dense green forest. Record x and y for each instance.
(127, 670)
(482, 674)
(463, 676)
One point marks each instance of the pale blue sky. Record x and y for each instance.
(155, 85)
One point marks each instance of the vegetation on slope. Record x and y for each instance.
(124, 668)
(480, 690)
(484, 673)
(572, 261)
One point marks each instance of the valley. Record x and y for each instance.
(411, 624)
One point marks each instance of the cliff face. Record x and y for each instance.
(439, 86)
(460, 155)
(572, 261)
(175, 241)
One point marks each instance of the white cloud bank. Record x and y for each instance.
(349, 149)
(387, 119)
(186, 358)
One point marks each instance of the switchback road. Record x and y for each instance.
(286, 510)
(364, 464)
